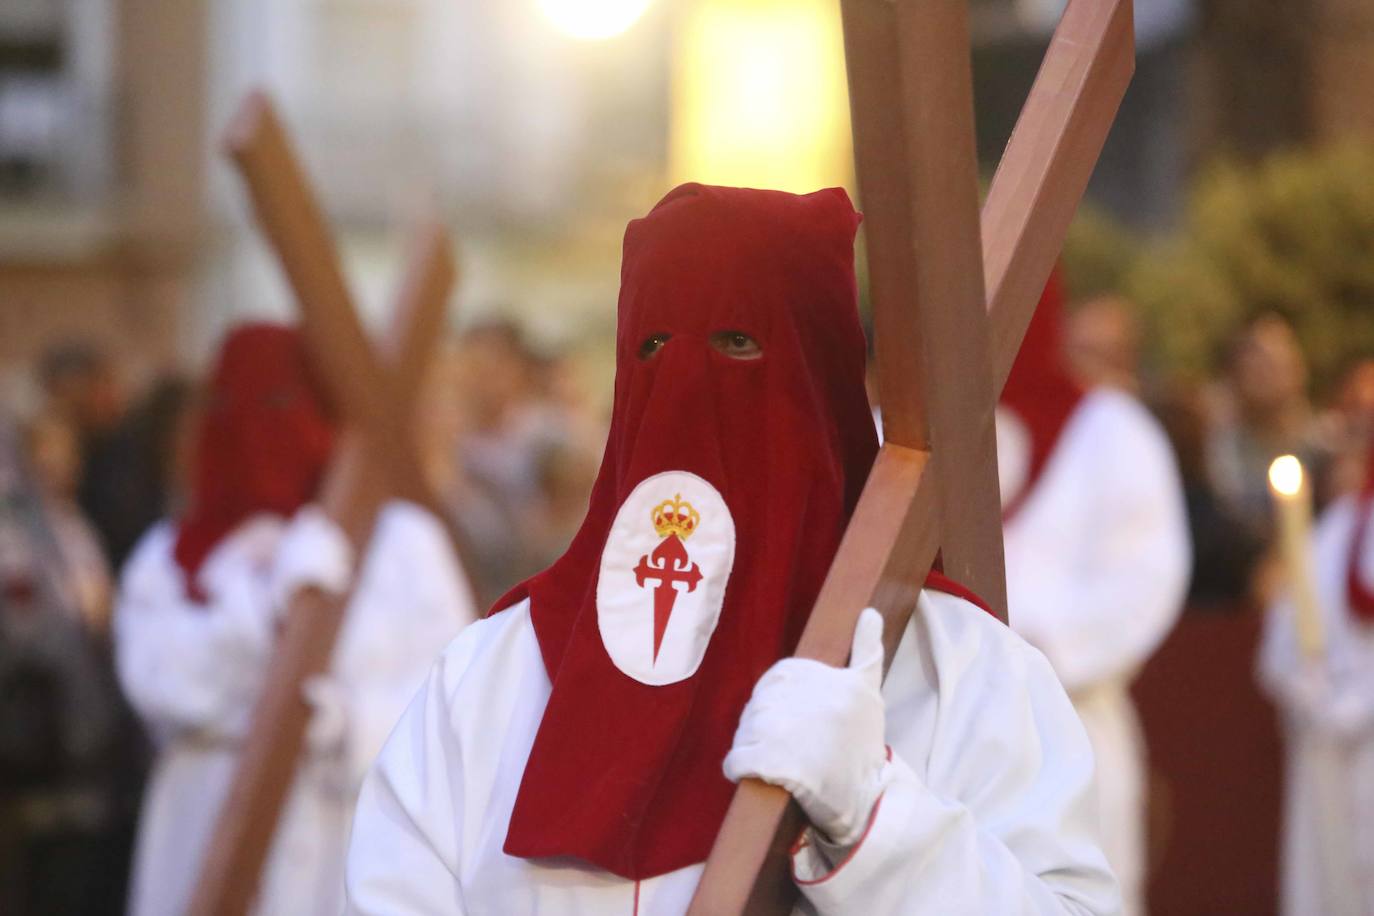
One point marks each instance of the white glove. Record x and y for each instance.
(313, 552)
(817, 732)
(328, 702)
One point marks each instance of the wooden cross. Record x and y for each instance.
(952, 296)
(376, 460)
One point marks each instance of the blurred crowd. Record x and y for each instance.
(512, 443)
(513, 438)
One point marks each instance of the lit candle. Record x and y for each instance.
(1293, 510)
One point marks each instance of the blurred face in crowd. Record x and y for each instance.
(1103, 342)
(55, 455)
(1268, 371)
(1357, 394)
(495, 372)
(1354, 404)
(90, 394)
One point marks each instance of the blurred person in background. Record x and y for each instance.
(1262, 411)
(1325, 693)
(55, 457)
(566, 437)
(1348, 424)
(64, 816)
(141, 475)
(199, 608)
(82, 385)
(1102, 343)
(525, 451)
(1227, 553)
(1097, 555)
(498, 476)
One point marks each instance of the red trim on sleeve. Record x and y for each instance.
(853, 850)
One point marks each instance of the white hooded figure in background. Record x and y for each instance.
(1325, 692)
(198, 612)
(1098, 557)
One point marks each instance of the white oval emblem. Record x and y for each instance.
(663, 576)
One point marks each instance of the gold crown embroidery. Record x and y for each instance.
(673, 516)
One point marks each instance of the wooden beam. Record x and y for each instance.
(1047, 163)
(937, 114)
(374, 400)
(747, 871)
(294, 224)
(911, 507)
(918, 185)
(882, 165)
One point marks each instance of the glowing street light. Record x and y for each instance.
(759, 95)
(593, 20)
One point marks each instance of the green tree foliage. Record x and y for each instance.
(1292, 235)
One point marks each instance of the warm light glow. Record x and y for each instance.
(591, 20)
(759, 95)
(1285, 475)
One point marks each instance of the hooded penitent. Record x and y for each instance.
(727, 481)
(1040, 392)
(265, 439)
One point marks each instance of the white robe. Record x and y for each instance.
(1328, 707)
(1098, 560)
(193, 674)
(990, 811)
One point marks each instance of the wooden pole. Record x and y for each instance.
(375, 462)
(939, 373)
(1048, 162)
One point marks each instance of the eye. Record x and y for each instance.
(652, 344)
(736, 345)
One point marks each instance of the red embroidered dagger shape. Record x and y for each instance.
(674, 521)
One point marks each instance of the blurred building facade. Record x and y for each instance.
(101, 173)
(120, 223)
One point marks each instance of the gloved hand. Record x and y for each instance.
(313, 552)
(328, 702)
(817, 732)
(1338, 711)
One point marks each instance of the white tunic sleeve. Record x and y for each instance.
(990, 805)
(412, 600)
(187, 666)
(403, 859)
(1099, 592)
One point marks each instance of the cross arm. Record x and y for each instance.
(906, 518)
(290, 217)
(365, 394)
(1048, 161)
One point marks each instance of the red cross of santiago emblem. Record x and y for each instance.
(668, 564)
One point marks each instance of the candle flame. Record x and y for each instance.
(1285, 475)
